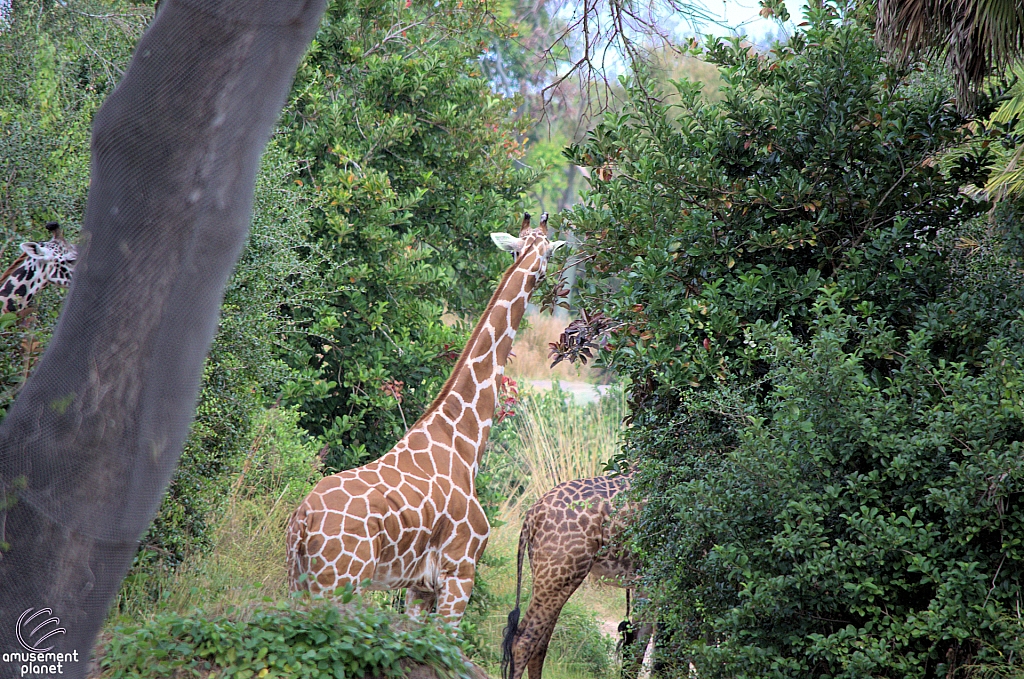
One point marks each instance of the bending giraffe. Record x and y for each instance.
(412, 519)
(571, 532)
(38, 265)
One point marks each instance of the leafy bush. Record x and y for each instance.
(852, 528)
(319, 641)
(408, 162)
(825, 344)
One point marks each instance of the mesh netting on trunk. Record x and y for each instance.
(89, 446)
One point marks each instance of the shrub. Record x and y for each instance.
(824, 340)
(285, 641)
(852, 527)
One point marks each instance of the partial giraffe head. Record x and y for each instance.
(40, 264)
(532, 248)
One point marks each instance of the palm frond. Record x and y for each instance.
(1007, 178)
(975, 36)
(1009, 109)
(1014, 106)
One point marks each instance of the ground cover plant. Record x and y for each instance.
(318, 641)
(824, 340)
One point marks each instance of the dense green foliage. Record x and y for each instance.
(825, 344)
(316, 642)
(56, 66)
(407, 165)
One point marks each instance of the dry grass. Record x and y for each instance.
(560, 444)
(531, 360)
(246, 564)
(555, 445)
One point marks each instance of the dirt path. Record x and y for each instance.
(610, 628)
(581, 392)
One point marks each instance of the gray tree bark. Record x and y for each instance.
(88, 448)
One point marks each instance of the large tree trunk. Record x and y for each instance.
(88, 448)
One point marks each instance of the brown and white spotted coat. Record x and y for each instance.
(38, 265)
(570, 533)
(412, 519)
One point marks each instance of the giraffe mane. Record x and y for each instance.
(14, 265)
(464, 356)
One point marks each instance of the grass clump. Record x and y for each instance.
(283, 640)
(577, 644)
(246, 561)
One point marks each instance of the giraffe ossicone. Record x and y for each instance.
(38, 265)
(411, 519)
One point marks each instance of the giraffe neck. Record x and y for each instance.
(468, 398)
(19, 285)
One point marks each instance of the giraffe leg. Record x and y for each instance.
(456, 586)
(553, 584)
(419, 601)
(536, 664)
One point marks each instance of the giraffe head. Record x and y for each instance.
(532, 249)
(52, 261)
(39, 264)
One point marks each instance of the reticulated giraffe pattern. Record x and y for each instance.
(38, 265)
(411, 519)
(570, 533)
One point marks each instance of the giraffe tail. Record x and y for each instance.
(508, 667)
(298, 562)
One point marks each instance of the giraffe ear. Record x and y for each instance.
(507, 242)
(556, 244)
(34, 251)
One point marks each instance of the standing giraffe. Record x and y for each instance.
(412, 519)
(39, 264)
(571, 532)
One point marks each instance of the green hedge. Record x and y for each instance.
(281, 641)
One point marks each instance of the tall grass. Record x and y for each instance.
(246, 564)
(558, 441)
(551, 440)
